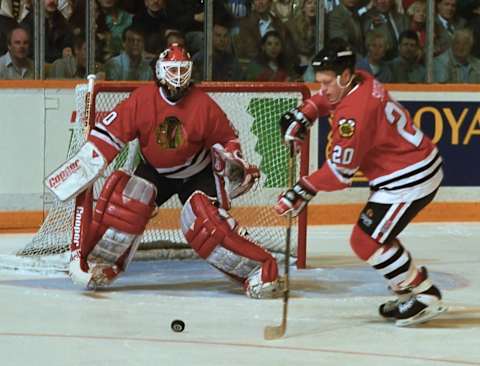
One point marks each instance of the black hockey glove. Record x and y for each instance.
(294, 200)
(294, 126)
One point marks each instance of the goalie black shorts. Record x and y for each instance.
(384, 221)
(166, 187)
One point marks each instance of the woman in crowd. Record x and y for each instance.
(271, 63)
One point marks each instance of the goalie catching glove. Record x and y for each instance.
(294, 127)
(294, 200)
(240, 175)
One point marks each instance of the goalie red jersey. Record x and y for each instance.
(175, 137)
(373, 133)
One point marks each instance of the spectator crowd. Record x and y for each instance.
(253, 40)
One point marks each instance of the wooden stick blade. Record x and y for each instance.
(274, 332)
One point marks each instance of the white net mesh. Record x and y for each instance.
(255, 114)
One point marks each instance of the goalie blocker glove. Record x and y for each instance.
(294, 200)
(294, 126)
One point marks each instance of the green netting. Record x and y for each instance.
(267, 113)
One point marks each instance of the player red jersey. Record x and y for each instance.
(175, 138)
(373, 133)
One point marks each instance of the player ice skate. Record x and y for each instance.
(188, 148)
(373, 133)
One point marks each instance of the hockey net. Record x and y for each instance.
(254, 110)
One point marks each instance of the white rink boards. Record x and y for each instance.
(332, 314)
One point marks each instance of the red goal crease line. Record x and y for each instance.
(328, 214)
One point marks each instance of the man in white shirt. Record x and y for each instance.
(15, 64)
(130, 64)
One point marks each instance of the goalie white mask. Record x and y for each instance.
(174, 71)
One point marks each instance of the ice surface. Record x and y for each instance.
(46, 320)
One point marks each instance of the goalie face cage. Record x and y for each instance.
(254, 110)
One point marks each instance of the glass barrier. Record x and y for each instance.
(408, 41)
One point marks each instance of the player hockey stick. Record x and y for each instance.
(273, 331)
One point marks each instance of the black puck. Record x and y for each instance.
(177, 326)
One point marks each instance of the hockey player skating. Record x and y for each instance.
(373, 133)
(188, 148)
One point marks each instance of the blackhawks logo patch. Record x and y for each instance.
(169, 134)
(346, 127)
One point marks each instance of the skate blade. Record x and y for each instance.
(425, 315)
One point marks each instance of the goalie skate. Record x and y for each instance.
(100, 275)
(256, 289)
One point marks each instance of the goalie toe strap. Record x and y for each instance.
(213, 234)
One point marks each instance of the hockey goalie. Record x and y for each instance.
(188, 148)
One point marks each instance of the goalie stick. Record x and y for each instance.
(273, 331)
(83, 202)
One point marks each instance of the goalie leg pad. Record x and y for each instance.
(111, 246)
(126, 202)
(217, 238)
(123, 210)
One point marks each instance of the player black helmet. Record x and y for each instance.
(336, 56)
